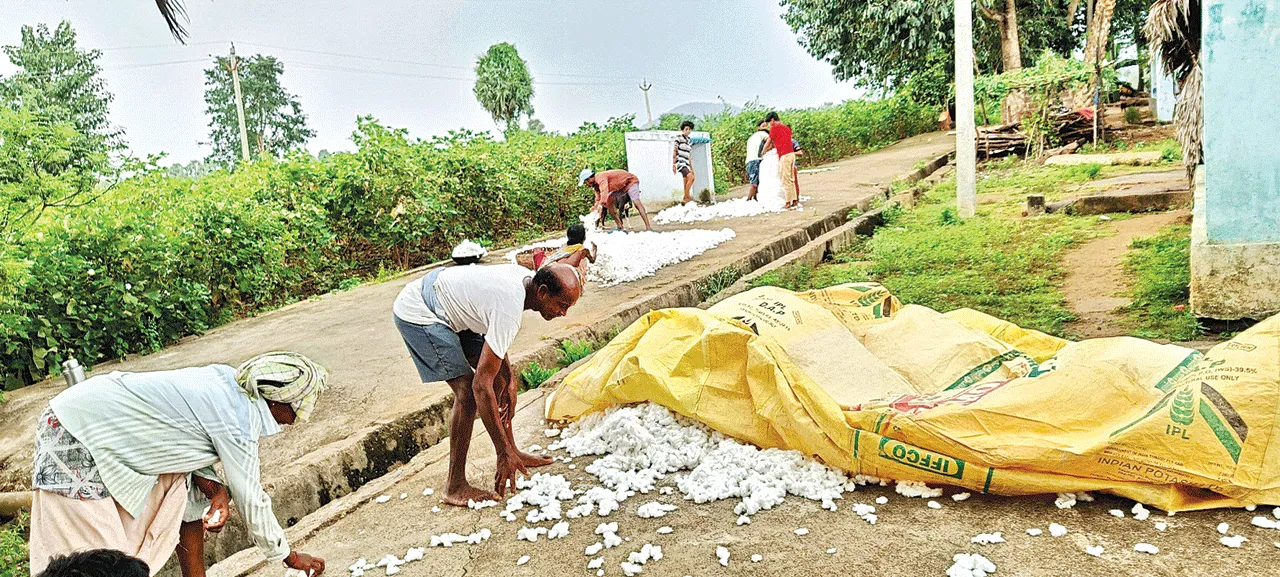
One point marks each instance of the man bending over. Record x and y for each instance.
(459, 323)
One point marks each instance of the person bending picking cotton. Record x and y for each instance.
(608, 186)
(459, 323)
(117, 455)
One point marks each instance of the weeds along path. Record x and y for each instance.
(1095, 286)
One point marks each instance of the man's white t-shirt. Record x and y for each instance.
(487, 300)
(753, 144)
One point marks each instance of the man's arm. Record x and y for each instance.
(483, 387)
(768, 145)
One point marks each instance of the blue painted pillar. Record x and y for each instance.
(1241, 60)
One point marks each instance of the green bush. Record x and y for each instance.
(535, 375)
(13, 548)
(159, 257)
(1160, 272)
(572, 351)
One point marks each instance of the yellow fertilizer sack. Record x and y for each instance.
(849, 376)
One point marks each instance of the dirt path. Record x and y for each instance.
(1095, 283)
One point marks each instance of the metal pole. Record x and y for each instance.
(645, 86)
(235, 83)
(966, 132)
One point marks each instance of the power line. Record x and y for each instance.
(148, 46)
(154, 64)
(330, 67)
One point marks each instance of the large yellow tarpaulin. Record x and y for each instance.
(850, 376)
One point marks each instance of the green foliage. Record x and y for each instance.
(273, 117)
(717, 281)
(1160, 273)
(572, 351)
(56, 75)
(503, 85)
(160, 257)
(948, 217)
(535, 375)
(1133, 115)
(13, 547)
(1088, 171)
(672, 120)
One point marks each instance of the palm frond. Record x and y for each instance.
(172, 11)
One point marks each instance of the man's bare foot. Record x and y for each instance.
(534, 460)
(459, 496)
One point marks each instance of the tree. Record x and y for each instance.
(56, 143)
(883, 43)
(503, 85)
(537, 126)
(56, 75)
(273, 117)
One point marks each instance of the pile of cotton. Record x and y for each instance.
(734, 207)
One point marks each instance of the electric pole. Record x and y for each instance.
(966, 132)
(235, 83)
(645, 86)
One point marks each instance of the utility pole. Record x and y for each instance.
(235, 82)
(1097, 80)
(645, 86)
(966, 132)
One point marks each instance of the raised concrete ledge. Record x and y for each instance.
(1231, 281)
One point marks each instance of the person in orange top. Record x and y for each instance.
(608, 186)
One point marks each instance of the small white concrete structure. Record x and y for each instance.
(649, 157)
(1163, 91)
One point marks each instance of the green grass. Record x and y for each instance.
(1169, 148)
(1160, 277)
(13, 548)
(996, 263)
(535, 375)
(717, 282)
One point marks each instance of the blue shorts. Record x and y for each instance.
(753, 172)
(439, 353)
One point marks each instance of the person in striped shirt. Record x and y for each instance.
(118, 454)
(682, 158)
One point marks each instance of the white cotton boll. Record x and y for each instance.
(1250, 508)
(1057, 530)
(603, 528)
(665, 530)
(580, 511)
(1161, 525)
(966, 565)
(414, 554)
(393, 569)
(916, 489)
(403, 495)
(1234, 541)
(217, 516)
(960, 497)
(1084, 497)
(596, 563)
(666, 490)
(1035, 532)
(522, 560)
(508, 516)
(477, 505)
(530, 534)
(600, 573)
(631, 569)
(988, 538)
(1139, 512)
(654, 510)
(757, 558)
(1276, 512)
(549, 433)
(558, 530)
(611, 540)
(1117, 513)
(801, 531)
(1223, 528)
(881, 500)
(382, 499)
(428, 492)
(534, 448)
(831, 551)
(722, 553)
(1265, 522)
(743, 520)
(934, 505)
(1146, 548)
(594, 549)
(435, 509)
(1065, 500)
(1095, 550)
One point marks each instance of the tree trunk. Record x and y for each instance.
(1010, 49)
(1095, 47)
(1072, 7)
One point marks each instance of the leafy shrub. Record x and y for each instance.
(572, 351)
(13, 547)
(535, 375)
(717, 281)
(1132, 115)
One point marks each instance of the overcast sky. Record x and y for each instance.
(586, 56)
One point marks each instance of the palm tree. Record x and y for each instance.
(1173, 28)
(172, 10)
